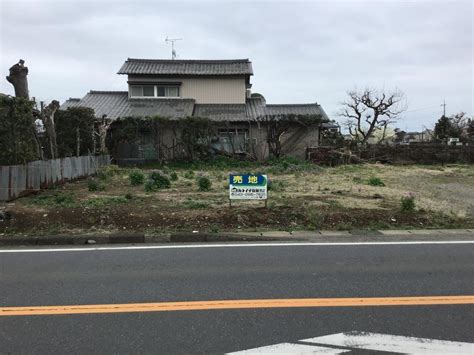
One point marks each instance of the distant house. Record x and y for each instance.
(219, 90)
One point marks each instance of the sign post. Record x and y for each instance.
(248, 187)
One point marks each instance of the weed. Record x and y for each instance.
(375, 181)
(204, 183)
(108, 171)
(173, 176)
(136, 177)
(189, 174)
(129, 196)
(408, 203)
(93, 185)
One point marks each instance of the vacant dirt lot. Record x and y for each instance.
(301, 197)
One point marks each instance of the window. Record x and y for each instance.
(172, 91)
(161, 91)
(136, 90)
(149, 91)
(232, 140)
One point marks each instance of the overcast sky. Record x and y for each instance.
(309, 51)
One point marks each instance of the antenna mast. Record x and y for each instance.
(444, 107)
(172, 40)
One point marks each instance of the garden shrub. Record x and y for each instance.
(204, 183)
(136, 177)
(375, 181)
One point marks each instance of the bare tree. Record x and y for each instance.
(18, 78)
(47, 114)
(371, 111)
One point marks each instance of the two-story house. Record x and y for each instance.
(219, 90)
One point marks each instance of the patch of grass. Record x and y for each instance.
(196, 205)
(375, 181)
(136, 177)
(104, 201)
(58, 199)
(204, 184)
(277, 186)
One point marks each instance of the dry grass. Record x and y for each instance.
(336, 198)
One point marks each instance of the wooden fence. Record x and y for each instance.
(19, 180)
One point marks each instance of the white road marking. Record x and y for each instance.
(392, 343)
(228, 245)
(288, 348)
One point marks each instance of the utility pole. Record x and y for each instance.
(444, 108)
(172, 40)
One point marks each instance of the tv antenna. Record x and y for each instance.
(172, 40)
(444, 107)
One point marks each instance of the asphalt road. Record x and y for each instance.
(123, 276)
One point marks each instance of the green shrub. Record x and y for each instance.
(157, 181)
(189, 174)
(93, 185)
(375, 181)
(150, 186)
(136, 177)
(173, 176)
(408, 203)
(204, 183)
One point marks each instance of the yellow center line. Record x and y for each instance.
(237, 304)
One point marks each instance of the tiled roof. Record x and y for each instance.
(186, 67)
(221, 112)
(296, 109)
(116, 104)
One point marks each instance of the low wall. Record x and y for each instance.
(19, 180)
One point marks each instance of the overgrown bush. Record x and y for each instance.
(108, 171)
(375, 181)
(408, 203)
(157, 181)
(17, 131)
(136, 177)
(204, 183)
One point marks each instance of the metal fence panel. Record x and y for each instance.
(16, 180)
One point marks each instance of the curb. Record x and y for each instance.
(268, 236)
